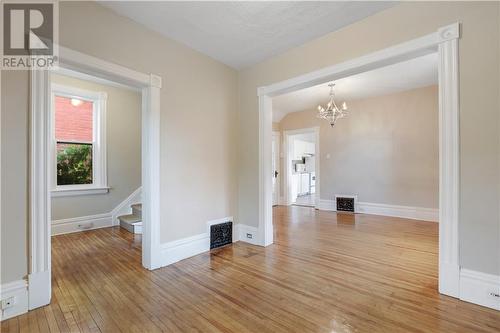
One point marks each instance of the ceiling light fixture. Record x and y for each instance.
(332, 112)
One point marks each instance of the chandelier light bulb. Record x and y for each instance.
(332, 112)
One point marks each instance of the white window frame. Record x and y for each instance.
(99, 158)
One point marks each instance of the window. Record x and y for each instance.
(78, 141)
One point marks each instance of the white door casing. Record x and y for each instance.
(445, 42)
(276, 167)
(39, 276)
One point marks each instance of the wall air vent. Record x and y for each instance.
(221, 234)
(346, 203)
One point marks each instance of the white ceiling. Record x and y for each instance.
(243, 33)
(411, 74)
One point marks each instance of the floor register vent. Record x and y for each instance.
(345, 203)
(221, 234)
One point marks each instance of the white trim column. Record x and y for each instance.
(151, 252)
(265, 171)
(39, 292)
(449, 161)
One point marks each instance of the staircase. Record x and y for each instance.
(132, 222)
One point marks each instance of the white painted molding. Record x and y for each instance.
(39, 194)
(124, 207)
(407, 212)
(397, 53)
(480, 288)
(71, 192)
(37, 291)
(40, 125)
(19, 290)
(151, 173)
(81, 223)
(89, 222)
(328, 205)
(449, 32)
(175, 251)
(155, 81)
(265, 167)
(184, 248)
(449, 161)
(91, 78)
(445, 42)
(80, 62)
(277, 140)
(219, 221)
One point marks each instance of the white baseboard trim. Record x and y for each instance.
(82, 223)
(38, 293)
(449, 279)
(407, 212)
(224, 220)
(19, 291)
(328, 205)
(479, 288)
(177, 250)
(124, 207)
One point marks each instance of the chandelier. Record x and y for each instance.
(332, 111)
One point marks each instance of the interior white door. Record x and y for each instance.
(275, 167)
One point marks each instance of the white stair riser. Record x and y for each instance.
(133, 228)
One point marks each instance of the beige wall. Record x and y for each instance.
(395, 135)
(14, 145)
(204, 174)
(123, 139)
(479, 107)
(198, 140)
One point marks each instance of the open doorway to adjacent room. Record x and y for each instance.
(375, 138)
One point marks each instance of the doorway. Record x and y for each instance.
(39, 277)
(301, 166)
(445, 42)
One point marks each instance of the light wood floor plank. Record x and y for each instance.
(326, 272)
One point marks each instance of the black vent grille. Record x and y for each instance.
(221, 234)
(345, 204)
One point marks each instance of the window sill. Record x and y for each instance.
(69, 192)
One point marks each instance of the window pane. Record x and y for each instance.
(74, 163)
(73, 119)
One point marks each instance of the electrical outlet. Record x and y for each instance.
(249, 236)
(8, 302)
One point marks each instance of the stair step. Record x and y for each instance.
(131, 222)
(137, 209)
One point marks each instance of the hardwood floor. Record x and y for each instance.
(325, 273)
